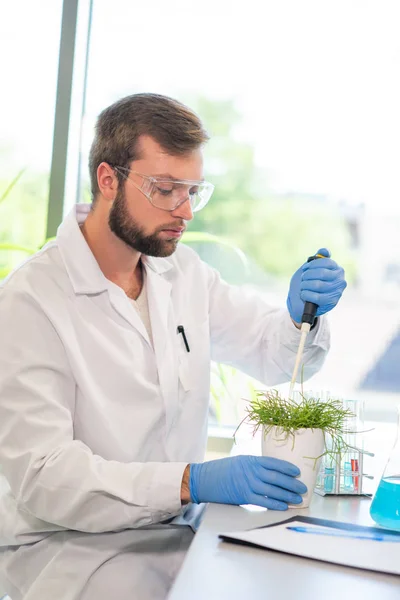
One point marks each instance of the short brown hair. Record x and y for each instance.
(171, 124)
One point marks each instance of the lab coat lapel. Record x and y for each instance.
(161, 318)
(159, 295)
(127, 311)
(85, 274)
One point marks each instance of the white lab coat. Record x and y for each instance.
(96, 425)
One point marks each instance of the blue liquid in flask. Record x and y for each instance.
(385, 507)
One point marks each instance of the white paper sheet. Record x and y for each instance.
(364, 554)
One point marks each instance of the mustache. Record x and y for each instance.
(177, 225)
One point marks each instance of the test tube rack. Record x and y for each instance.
(344, 473)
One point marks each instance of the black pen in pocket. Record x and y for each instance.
(181, 330)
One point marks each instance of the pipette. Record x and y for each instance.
(307, 321)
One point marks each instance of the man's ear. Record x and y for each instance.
(107, 181)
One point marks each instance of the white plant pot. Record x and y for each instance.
(295, 448)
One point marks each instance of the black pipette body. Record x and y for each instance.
(310, 308)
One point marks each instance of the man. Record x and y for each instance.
(107, 335)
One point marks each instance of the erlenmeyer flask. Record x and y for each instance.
(385, 507)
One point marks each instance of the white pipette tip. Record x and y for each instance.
(305, 328)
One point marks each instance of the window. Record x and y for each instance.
(301, 100)
(29, 46)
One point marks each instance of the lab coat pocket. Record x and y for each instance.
(184, 376)
(192, 363)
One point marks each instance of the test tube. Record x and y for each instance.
(348, 479)
(354, 468)
(328, 479)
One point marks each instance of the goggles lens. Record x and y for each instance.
(168, 194)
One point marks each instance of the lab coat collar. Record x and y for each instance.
(159, 265)
(82, 267)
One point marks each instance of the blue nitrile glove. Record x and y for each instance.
(259, 480)
(320, 281)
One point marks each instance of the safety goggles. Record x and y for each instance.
(168, 194)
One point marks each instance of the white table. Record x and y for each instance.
(217, 570)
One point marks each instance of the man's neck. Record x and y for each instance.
(119, 264)
(134, 291)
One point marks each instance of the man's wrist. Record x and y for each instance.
(185, 488)
(297, 325)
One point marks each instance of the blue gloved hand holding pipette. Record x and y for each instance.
(321, 282)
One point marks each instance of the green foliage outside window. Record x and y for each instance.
(276, 233)
(23, 211)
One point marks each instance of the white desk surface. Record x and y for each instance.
(217, 570)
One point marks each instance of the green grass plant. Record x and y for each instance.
(269, 409)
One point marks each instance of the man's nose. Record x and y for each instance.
(183, 211)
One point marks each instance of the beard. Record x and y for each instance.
(127, 229)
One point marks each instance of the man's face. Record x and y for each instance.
(133, 219)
